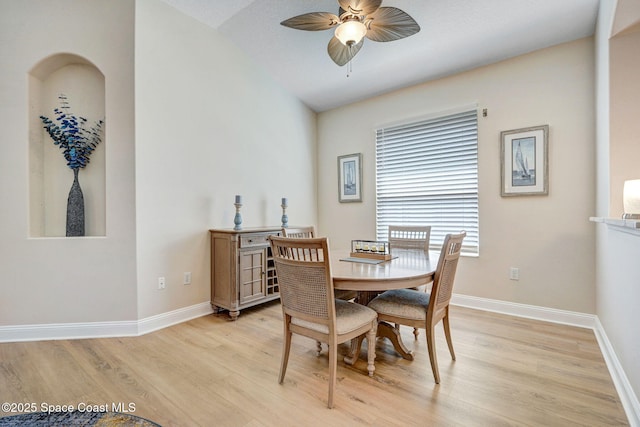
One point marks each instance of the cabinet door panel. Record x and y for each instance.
(252, 275)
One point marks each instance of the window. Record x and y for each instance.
(427, 173)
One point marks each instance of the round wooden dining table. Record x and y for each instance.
(406, 269)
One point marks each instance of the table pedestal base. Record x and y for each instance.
(385, 330)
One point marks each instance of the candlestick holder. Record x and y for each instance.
(370, 249)
(285, 218)
(237, 220)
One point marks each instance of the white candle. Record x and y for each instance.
(238, 199)
(631, 196)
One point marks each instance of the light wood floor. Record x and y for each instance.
(214, 372)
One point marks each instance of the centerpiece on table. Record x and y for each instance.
(370, 249)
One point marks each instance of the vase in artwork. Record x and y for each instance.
(75, 208)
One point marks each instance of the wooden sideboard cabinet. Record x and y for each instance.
(242, 269)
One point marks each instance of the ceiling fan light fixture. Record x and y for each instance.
(350, 32)
(356, 19)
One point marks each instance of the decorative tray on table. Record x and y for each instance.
(370, 249)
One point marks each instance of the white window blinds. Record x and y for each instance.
(427, 174)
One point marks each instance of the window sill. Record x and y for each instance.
(631, 226)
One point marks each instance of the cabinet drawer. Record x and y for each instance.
(255, 239)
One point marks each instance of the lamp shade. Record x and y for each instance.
(350, 32)
(631, 196)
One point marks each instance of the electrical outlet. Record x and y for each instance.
(187, 278)
(514, 273)
(161, 283)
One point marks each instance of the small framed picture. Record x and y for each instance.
(525, 161)
(350, 178)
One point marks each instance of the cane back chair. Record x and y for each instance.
(309, 307)
(308, 232)
(425, 309)
(410, 237)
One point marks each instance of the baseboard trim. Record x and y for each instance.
(67, 331)
(564, 317)
(126, 328)
(174, 317)
(623, 387)
(625, 391)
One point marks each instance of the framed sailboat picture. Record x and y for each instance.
(350, 178)
(525, 161)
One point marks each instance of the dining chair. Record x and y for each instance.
(309, 307)
(410, 237)
(299, 232)
(307, 232)
(425, 309)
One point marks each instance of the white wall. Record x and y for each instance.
(617, 267)
(209, 125)
(66, 280)
(624, 144)
(549, 238)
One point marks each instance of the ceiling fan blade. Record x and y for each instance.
(360, 7)
(340, 53)
(390, 23)
(314, 21)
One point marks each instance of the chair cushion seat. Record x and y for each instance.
(349, 316)
(405, 303)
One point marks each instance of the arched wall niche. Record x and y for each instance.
(50, 178)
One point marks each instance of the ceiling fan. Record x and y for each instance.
(356, 19)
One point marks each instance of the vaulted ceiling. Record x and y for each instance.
(456, 35)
